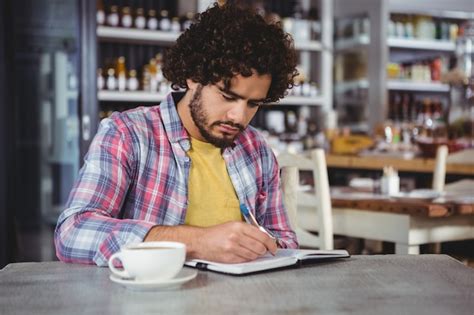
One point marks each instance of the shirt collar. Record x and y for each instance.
(171, 120)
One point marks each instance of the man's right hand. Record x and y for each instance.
(232, 242)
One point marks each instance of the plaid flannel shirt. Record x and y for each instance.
(135, 177)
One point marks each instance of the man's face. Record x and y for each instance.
(220, 114)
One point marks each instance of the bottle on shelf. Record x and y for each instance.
(315, 24)
(121, 72)
(439, 125)
(165, 22)
(427, 118)
(140, 21)
(126, 19)
(113, 16)
(100, 80)
(175, 25)
(305, 88)
(159, 72)
(314, 90)
(152, 70)
(146, 77)
(152, 22)
(100, 15)
(187, 20)
(132, 82)
(453, 32)
(111, 82)
(297, 89)
(436, 68)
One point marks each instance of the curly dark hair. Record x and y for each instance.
(229, 40)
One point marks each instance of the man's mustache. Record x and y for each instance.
(228, 122)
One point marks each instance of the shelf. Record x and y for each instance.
(309, 46)
(130, 96)
(422, 44)
(417, 86)
(142, 96)
(395, 42)
(342, 87)
(405, 85)
(131, 35)
(352, 43)
(302, 100)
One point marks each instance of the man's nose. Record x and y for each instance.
(238, 112)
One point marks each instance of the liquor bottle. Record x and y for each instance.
(314, 91)
(439, 124)
(113, 17)
(453, 31)
(100, 15)
(175, 25)
(132, 83)
(121, 71)
(164, 87)
(159, 73)
(152, 69)
(146, 78)
(140, 21)
(306, 88)
(152, 22)
(111, 80)
(126, 20)
(100, 80)
(187, 20)
(436, 66)
(165, 23)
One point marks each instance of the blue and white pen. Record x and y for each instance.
(249, 217)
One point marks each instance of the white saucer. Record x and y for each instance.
(417, 195)
(145, 285)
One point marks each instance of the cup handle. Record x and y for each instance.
(115, 270)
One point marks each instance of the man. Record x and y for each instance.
(179, 171)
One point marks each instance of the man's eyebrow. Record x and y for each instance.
(240, 97)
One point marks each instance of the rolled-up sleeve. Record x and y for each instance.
(89, 230)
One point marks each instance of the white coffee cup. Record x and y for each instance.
(149, 260)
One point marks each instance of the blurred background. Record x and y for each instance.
(378, 78)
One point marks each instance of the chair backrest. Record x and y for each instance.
(442, 158)
(317, 201)
(439, 172)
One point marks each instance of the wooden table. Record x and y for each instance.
(407, 224)
(415, 165)
(389, 284)
(431, 209)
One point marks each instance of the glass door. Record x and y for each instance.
(44, 74)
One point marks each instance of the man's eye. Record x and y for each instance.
(253, 105)
(228, 98)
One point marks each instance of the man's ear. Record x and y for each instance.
(191, 84)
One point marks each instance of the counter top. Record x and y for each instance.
(416, 165)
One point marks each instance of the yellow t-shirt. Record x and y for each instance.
(211, 196)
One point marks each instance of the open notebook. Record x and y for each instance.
(283, 258)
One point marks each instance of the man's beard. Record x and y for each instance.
(199, 117)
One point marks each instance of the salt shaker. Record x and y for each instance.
(390, 182)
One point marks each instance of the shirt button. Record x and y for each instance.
(186, 159)
(186, 145)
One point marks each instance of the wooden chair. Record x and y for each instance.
(439, 176)
(311, 210)
(442, 158)
(439, 172)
